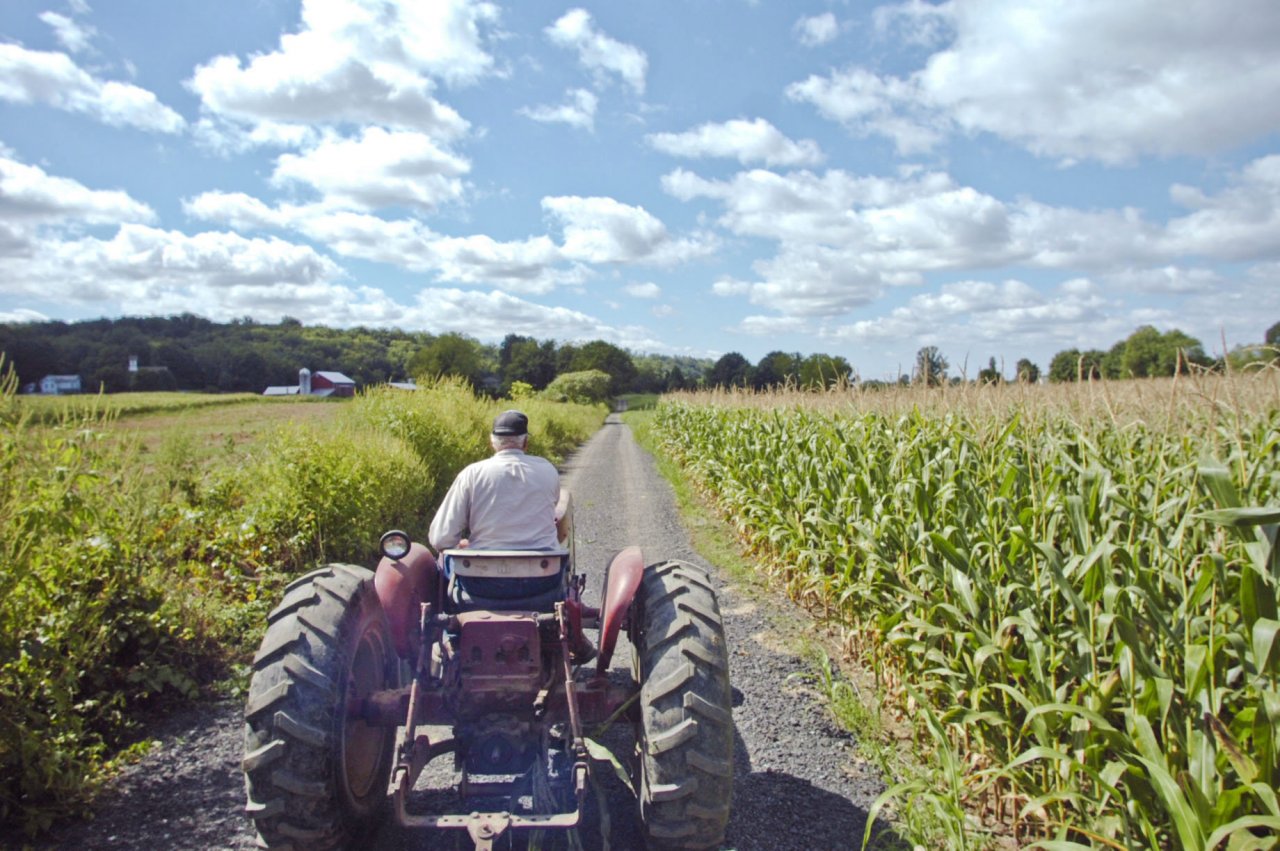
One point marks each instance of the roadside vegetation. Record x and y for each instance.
(1069, 591)
(137, 569)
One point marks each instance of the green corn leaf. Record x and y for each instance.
(1245, 823)
(600, 753)
(1240, 761)
(1217, 480)
(1266, 648)
(1242, 517)
(1185, 820)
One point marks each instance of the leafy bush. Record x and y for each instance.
(588, 387)
(83, 635)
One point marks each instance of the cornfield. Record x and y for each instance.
(1076, 587)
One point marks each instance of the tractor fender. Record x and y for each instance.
(403, 586)
(623, 578)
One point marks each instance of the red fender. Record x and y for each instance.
(402, 587)
(625, 573)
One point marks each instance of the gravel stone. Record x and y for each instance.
(798, 784)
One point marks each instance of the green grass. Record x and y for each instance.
(52, 409)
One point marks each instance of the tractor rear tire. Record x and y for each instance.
(313, 776)
(685, 734)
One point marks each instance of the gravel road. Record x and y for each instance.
(797, 783)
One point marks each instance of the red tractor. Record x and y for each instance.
(364, 677)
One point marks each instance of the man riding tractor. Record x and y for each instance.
(364, 677)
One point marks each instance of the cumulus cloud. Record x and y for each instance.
(579, 110)
(815, 30)
(755, 141)
(842, 239)
(595, 230)
(36, 76)
(29, 195)
(1089, 79)
(22, 315)
(70, 33)
(358, 61)
(603, 230)
(379, 168)
(643, 290)
(597, 52)
(149, 270)
(979, 313)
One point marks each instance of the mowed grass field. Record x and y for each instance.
(1071, 591)
(144, 538)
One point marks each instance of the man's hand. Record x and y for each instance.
(464, 543)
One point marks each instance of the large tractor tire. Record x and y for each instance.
(685, 734)
(313, 776)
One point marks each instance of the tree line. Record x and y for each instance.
(188, 352)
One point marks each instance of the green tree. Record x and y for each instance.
(931, 367)
(990, 374)
(449, 354)
(1028, 372)
(1072, 365)
(607, 358)
(525, 359)
(776, 369)
(1272, 337)
(675, 380)
(819, 371)
(731, 370)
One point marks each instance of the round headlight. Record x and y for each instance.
(395, 544)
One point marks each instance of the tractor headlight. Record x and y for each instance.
(395, 544)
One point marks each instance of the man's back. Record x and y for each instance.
(507, 501)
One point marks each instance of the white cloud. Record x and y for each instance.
(70, 33)
(815, 30)
(575, 30)
(147, 270)
(643, 290)
(662, 311)
(361, 61)
(729, 287)
(34, 76)
(28, 195)
(603, 230)
(842, 240)
(22, 315)
(1089, 79)
(1242, 222)
(1165, 279)
(579, 110)
(768, 326)
(745, 141)
(380, 168)
(983, 315)
(595, 230)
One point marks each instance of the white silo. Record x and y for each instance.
(304, 381)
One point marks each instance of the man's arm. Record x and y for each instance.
(450, 522)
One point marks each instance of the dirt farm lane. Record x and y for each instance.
(796, 785)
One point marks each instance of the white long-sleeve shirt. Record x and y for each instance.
(505, 502)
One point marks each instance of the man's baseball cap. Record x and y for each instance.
(511, 423)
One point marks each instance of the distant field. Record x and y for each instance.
(52, 408)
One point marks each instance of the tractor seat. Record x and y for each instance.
(505, 580)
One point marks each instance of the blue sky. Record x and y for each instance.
(999, 179)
